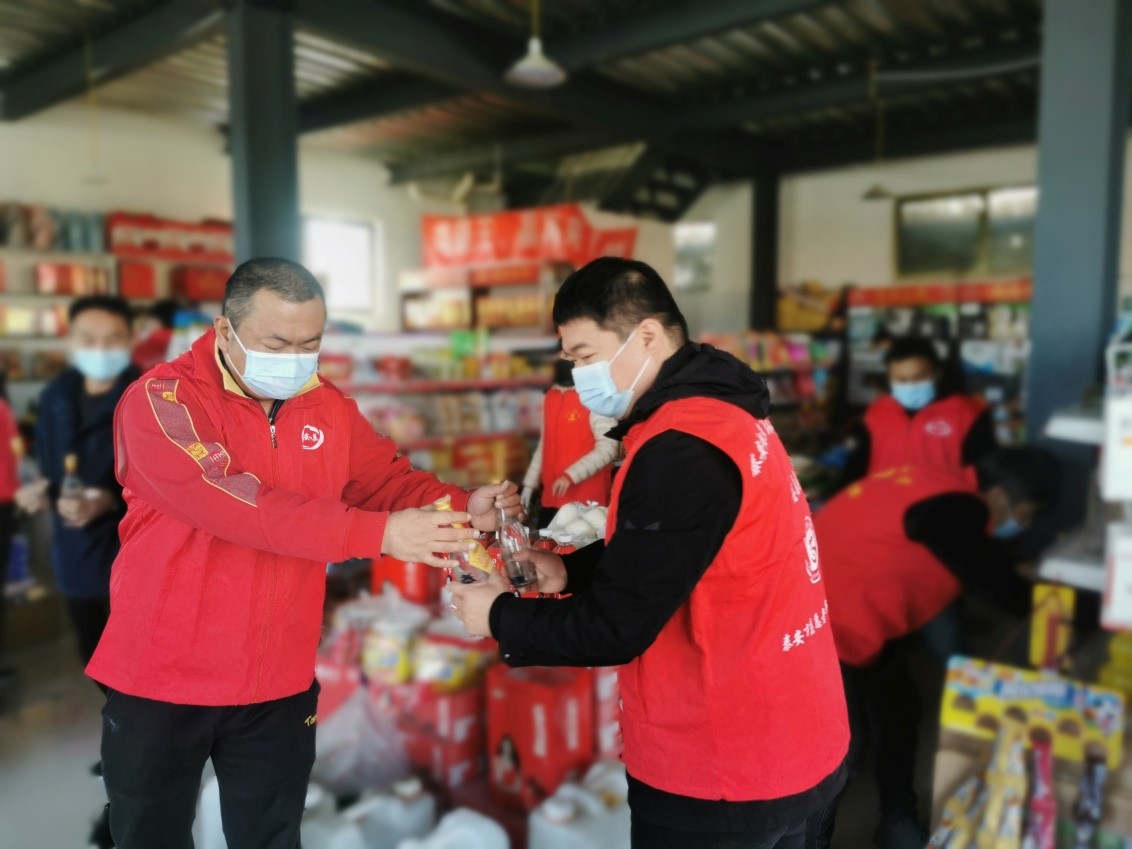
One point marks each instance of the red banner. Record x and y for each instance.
(547, 233)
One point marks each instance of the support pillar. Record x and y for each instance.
(263, 127)
(764, 263)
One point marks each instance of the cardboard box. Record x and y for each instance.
(452, 765)
(137, 279)
(608, 742)
(338, 681)
(539, 731)
(200, 283)
(450, 717)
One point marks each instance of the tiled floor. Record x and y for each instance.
(48, 797)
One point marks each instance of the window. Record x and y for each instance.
(695, 254)
(342, 255)
(987, 231)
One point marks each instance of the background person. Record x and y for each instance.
(897, 548)
(244, 474)
(574, 457)
(707, 591)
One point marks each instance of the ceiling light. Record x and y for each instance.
(535, 70)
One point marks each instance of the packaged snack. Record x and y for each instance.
(1041, 833)
(475, 565)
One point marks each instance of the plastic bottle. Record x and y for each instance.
(461, 829)
(565, 545)
(323, 829)
(592, 815)
(513, 541)
(388, 818)
(475, 565)
(72, 485)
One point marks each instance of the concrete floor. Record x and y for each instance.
(48, 799)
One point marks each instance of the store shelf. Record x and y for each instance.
(422, 387)
(55, 256)
(36, 298)
(1078, 561)
(431, 442)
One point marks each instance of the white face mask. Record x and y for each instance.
(278, 376)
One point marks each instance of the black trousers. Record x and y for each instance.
(153, 754)
(807, 834)
(88, 617)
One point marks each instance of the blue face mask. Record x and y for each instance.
(1008, 529)
(597, 391)
(101, 363)
(278, 376)
(914, 396)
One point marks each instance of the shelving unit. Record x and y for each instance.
(423, 387)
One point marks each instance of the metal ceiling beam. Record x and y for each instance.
(421, 42)
(508, 152)
(133, 45)
(1015, 130)
(839, 92)
(674, 23)
(370, 103)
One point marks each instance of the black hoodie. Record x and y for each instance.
(678, 503)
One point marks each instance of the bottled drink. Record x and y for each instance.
(513, 541)
(472, 566)
(72, 485)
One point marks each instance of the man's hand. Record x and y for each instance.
(32, 497)
(485, 503)
(422, 536)
(80, 512)
(472, 602)
(551, 570)
(561, 485)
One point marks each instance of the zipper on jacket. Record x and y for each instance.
(271, 421)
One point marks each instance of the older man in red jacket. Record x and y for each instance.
(243, 475)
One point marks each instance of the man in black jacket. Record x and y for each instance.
(731, 732)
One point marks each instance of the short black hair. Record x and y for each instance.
(289, 280)
(1026, 472)
(164, 311)
(563, 373)
(912, 348)
(618, 294)
(104, 303)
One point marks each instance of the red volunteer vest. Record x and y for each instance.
(931, 437)
(880, 584)
(566, 438)
(740, 696)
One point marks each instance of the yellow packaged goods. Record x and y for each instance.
(1078, 719)
(1001, 827)
(1052, 625)
(477, 555)
(961, 815)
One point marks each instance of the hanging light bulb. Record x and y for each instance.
(877, 191)
(535, 70)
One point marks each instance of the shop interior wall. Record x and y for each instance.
(180, 170)
(829, 235)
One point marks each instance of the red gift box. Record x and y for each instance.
(337, 681)
(607, 714)
(450, 764)
(451, 717)
(417, 582)
(137, 280)
(539, 731)
(200, 283)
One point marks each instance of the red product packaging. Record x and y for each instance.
(449, 764)
(417, 582)
(450, 717)
(1042, 828)
(607, 714)
(337, 681)
(200, 283)
(137, 279)
(539, 731)
(53, 278)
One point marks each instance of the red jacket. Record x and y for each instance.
(881, 585)
(740, 697)
(566, 437)
(9, 459)
(216, 597)
(932, 436)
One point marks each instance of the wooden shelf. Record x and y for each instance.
(421, 387)
(56, 256)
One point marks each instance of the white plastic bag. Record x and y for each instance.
(359, 748)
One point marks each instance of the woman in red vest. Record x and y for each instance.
(897, 548)
(707, 591)
(574, 457)
(920, 424)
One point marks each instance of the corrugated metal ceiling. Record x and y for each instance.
(31, 28)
